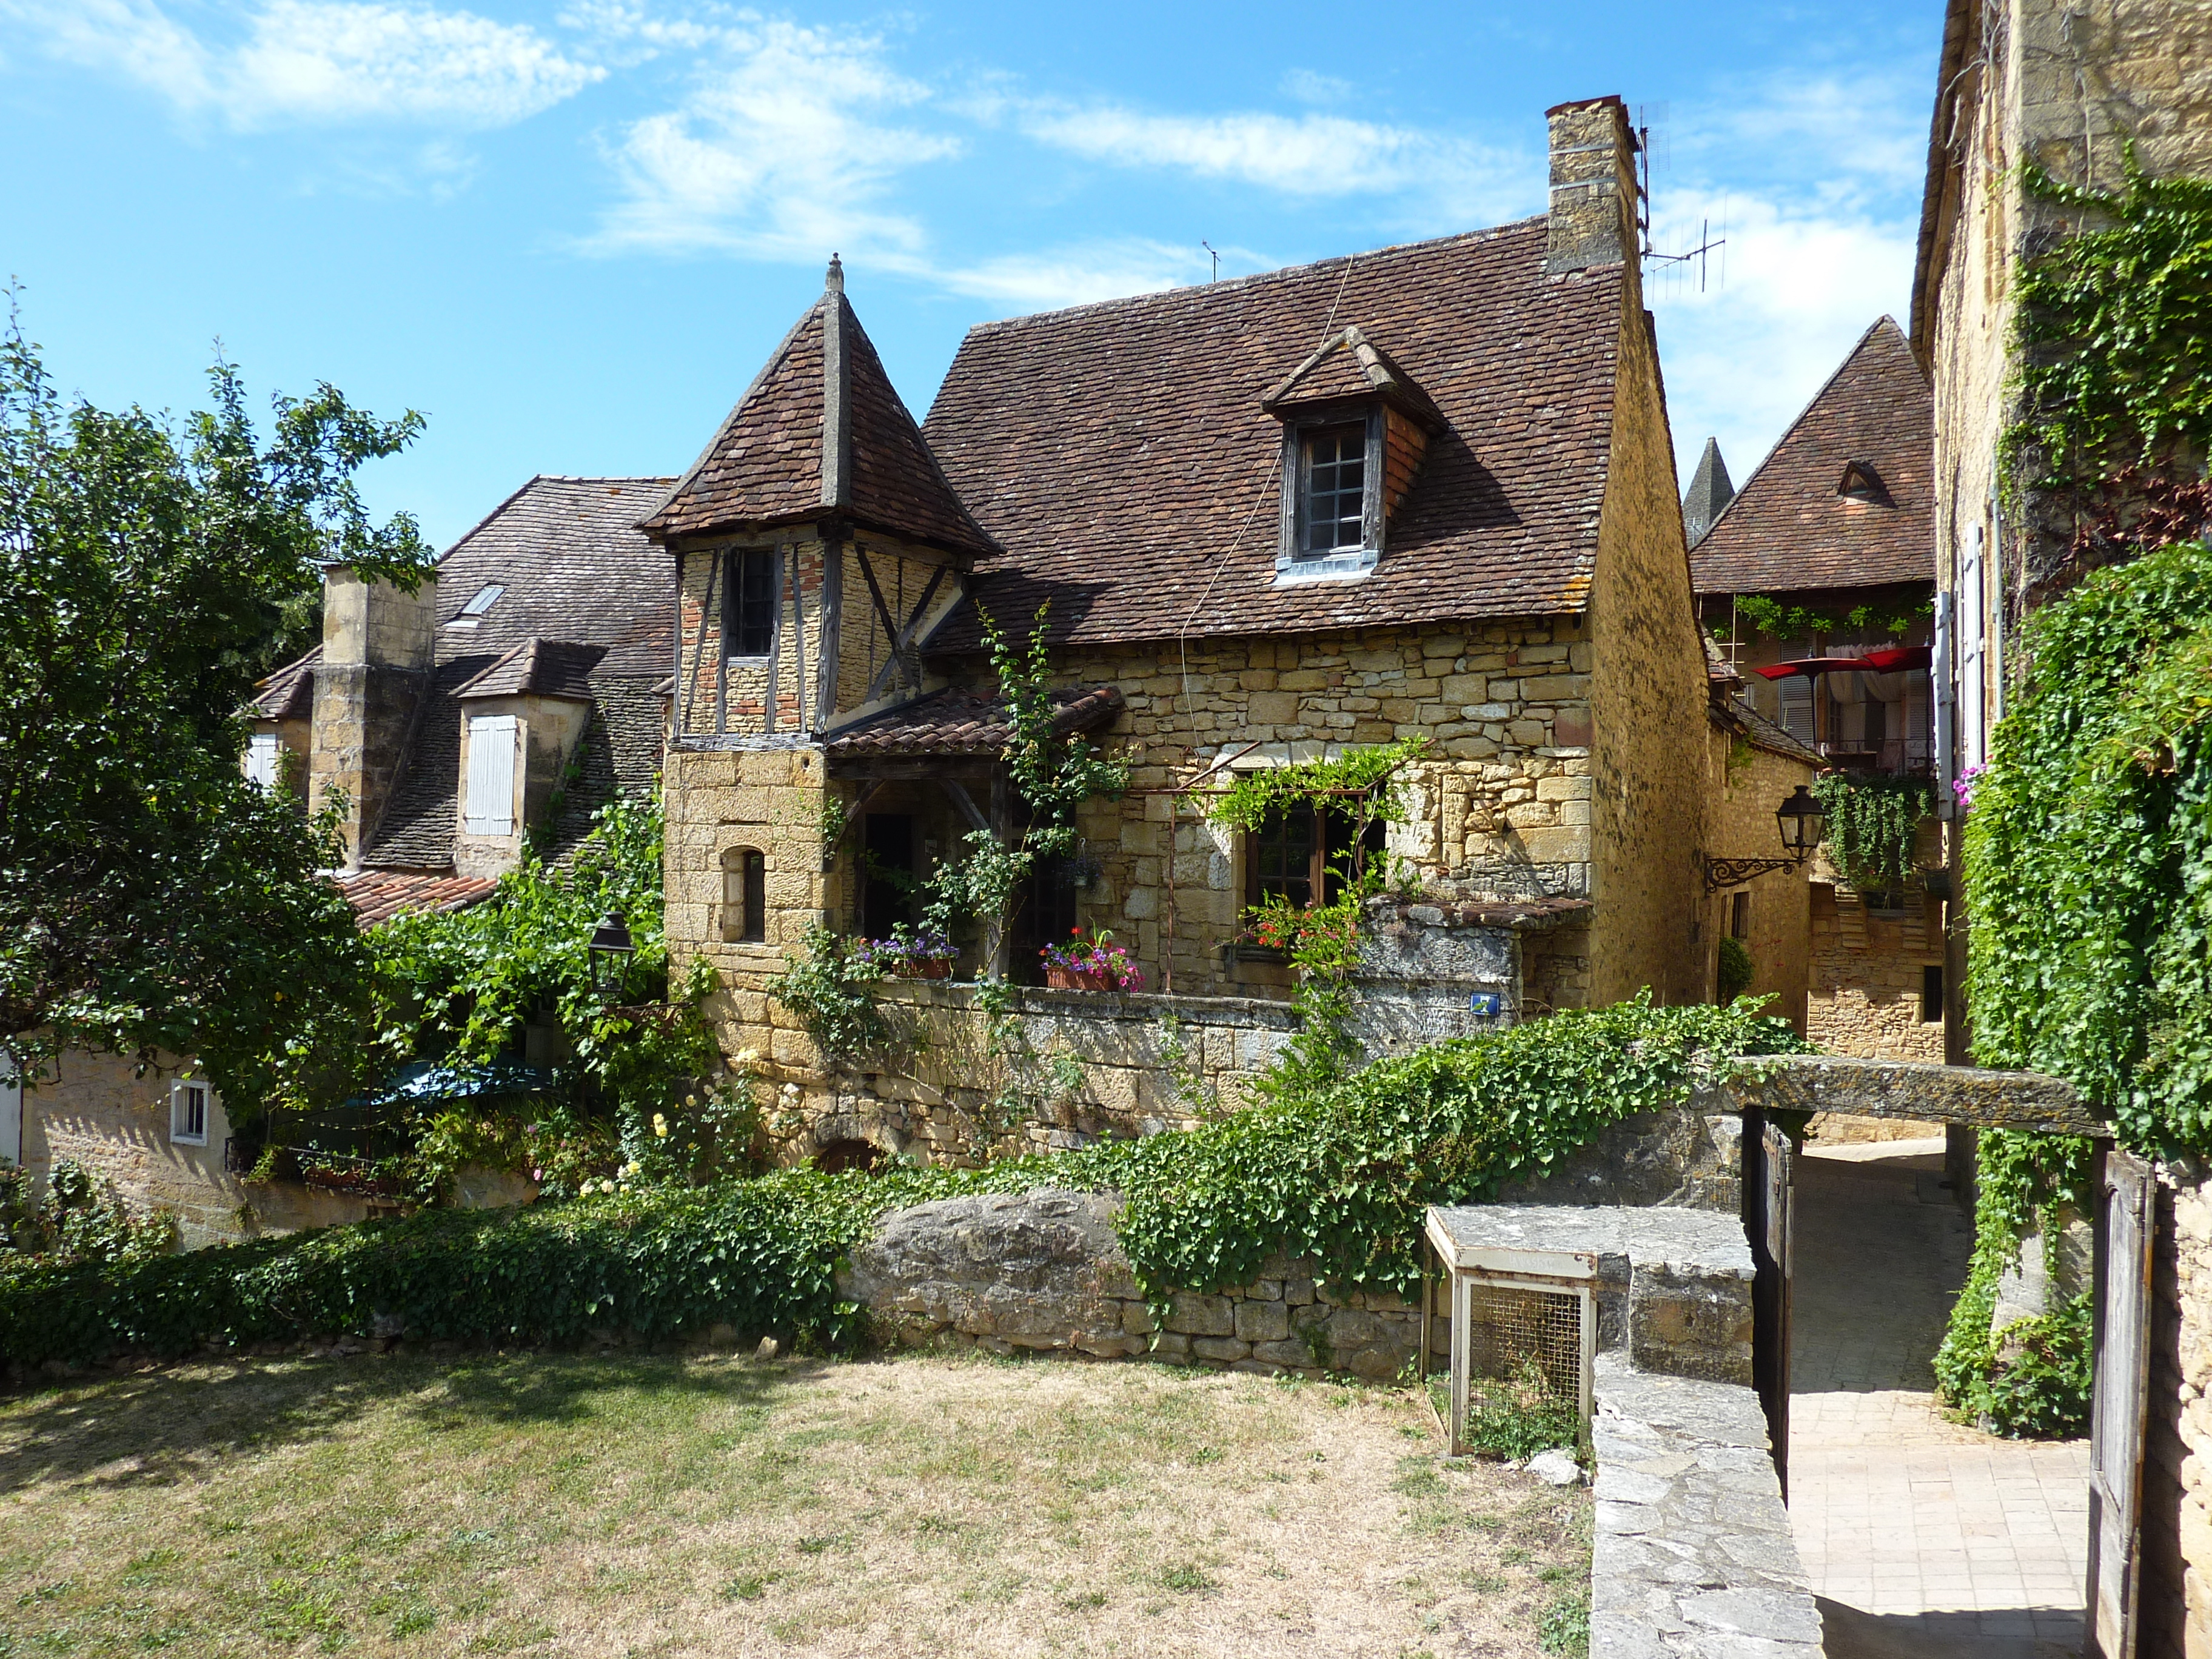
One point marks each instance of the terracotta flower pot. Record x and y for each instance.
(1075, 979)
(924, 968)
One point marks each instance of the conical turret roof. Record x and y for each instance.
(1709, 492)
(820, 431)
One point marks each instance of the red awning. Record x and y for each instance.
(1890, 659)
(1811, 667)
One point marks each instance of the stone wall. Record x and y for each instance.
(2177, 1507)
(1747, 785)
(106, 1114)
(1648, 701)
(369, 685)
(1864, 998)
(97, 1109)
(1043, 1270)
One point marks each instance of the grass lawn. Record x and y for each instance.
(568, 1503)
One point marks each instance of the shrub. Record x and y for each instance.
(1340, 1177)
(1736, 971)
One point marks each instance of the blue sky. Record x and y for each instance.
(570, 234)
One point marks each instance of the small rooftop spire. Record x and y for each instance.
(1709, 492)
(835, 282)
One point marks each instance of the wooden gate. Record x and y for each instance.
(1766, 1224)
(2119, 1399)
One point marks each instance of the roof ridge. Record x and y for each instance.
(1257, 279)
(1811, 404)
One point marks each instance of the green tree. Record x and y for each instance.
(150, 898)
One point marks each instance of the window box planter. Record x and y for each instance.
(1076, 979)
(1233, 952)
(923, 968)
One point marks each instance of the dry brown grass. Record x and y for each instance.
(627, 1505)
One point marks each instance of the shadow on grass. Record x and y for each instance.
(156, 1427)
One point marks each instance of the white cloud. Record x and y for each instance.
(1309, 88)
(1074, 276)
(781, 150)
(1309, 154)
(320, 61)
(1744, 357)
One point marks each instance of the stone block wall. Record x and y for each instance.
(1864, 997)
(1501, 802)
(1649, 786)
(1043, 1270)
(1747, 784)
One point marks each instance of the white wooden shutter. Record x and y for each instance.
(12, 1108)
(1973, 619)
(261, 752)
(1947, 703)
(490, 792)
(1796, 694)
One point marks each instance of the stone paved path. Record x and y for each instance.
(1922, 1538)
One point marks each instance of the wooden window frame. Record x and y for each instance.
(1290, 552)
(185, 1095)
(1317, 872)
(737, 601)
(745, 921)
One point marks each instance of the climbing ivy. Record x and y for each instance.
(1771, 617)
(1339, 1175)
(1873, 821)
(2088, 854)
(2115, 331)
(1367, 775)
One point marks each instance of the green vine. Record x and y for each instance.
(1367, 775)
(828, 987)
(1774, 620)
(2030, 1378)
(2088, 855)
(2115, 331)
(1339, 1177)
(1872, 824)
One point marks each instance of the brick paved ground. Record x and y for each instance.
(1922, 1538)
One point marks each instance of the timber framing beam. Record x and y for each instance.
(1920, 1091)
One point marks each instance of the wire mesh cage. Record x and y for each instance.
(1515, 1330)
(1517, 1316)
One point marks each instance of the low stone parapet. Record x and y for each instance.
(1693, 1553)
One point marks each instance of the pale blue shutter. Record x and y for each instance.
(490, 789)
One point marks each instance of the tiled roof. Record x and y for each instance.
(1790, 528)
(1120, 454)
(542, 668)
(621, 757)
(379, 894)
(289, 693)
(1761, 732)
(804, 439)
(1349, 365)
(964, 723)
(578, 576)
(1710, 491)
(574, 565)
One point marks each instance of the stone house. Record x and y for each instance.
(516, 692)
(2067, 84)
(1427, 491)
(1834, 535)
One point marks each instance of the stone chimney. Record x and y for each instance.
(1593, 219)
(378, 647)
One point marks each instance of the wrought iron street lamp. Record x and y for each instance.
(611, 947)
(1799, 821)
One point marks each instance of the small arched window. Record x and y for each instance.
(744, 895)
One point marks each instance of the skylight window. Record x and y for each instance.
(487, 596)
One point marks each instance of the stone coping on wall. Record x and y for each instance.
(1146, 1007)
(1693, 1554)
(1920, 1090)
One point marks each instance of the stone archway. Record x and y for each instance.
(835, 1157)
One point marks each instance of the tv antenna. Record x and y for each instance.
(1708, 245)
(1216, 252)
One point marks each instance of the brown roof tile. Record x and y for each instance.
(542, 668)
(964, 723)
(1790, 529)
(379, 894)
(1349, 365)
(1119, 455)
(780, 459)
(289, 693)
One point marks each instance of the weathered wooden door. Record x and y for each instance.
(2118, 1398)
(1766, 1187)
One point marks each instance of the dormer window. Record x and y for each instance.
(1355, 428)
(1861, 483)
